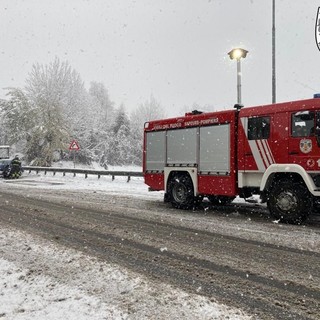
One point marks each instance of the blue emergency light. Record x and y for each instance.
(316, 95)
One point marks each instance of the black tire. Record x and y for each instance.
(220, 200)
(6, 173)
(289, 202)
(181, 192)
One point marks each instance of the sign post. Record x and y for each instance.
(74, 146)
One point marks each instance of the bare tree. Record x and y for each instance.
(149, 110)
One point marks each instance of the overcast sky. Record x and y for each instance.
(175, 50)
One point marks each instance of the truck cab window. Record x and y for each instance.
(258, 128)
(303, 124)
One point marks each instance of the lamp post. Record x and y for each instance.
(237, 54)
(273, 52)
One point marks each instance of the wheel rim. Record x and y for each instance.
(287, 201)
(179, 192)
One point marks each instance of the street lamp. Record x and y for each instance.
(237, 54)
(273, 52)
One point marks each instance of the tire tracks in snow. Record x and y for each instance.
(197, 261)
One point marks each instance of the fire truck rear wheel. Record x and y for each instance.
(289, 202)
(181, 191)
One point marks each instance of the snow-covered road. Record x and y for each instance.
(41, 280)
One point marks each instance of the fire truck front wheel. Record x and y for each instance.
(289, 202)
(181, 192)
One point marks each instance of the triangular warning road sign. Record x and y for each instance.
(74, 146)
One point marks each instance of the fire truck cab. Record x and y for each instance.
(271, 150)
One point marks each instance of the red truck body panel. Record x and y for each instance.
(232, 149)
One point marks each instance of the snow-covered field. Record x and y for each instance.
(42, 280)
(135, 187)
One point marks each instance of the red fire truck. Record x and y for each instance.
(271, 150)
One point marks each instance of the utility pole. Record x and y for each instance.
(273, 52)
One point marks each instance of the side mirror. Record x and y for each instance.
(317, 135)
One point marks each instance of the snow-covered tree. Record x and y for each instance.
(54, 107)
(55, 85)
(120, 145)
(149, 110)
(121, 119)
(102, 104)
(18, 116)
(57, 94)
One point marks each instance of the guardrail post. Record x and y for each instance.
(128, 178)
(112, 177)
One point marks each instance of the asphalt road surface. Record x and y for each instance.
(236, 255)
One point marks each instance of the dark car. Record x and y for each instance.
(8, 171)
(5, 165)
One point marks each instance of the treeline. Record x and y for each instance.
(42, 118)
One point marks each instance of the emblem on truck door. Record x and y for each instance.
(311, 163)
(305, 145)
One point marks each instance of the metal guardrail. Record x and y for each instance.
(86, 172)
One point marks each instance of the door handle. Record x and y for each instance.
(248, 154)
(293, 152)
